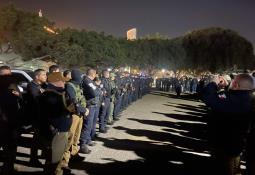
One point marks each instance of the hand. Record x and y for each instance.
(103, 104)
(222, 82)
(16, 93)
(87, 112)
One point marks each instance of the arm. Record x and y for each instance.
(212, 100)
(33, 91)
(71, 93)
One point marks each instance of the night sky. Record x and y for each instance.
(168, 17)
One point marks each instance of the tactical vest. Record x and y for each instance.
(78, 94)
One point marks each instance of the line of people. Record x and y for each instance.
(64, 109)
(178, 84)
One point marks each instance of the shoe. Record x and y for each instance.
(103, 131)
(116, 119)
(84, 149)
(92, 143)
(76, 158)
(110, 123)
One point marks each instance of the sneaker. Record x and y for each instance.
(76, 158)
(116, 119)
(84, 149)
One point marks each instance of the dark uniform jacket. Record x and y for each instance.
(34, 90)
(106, 87)
(230, 118)
(89, 91)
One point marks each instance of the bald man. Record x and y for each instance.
(229, 121)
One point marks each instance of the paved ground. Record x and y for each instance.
(157, 133)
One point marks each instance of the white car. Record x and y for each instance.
(22, 78)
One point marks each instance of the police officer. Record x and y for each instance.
(105, 109)
(89, 91)
(112, 99)
(99, 100)
(118, 98)
(34, 89)
(229, 121)
(75, 93)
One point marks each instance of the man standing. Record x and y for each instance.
(118, 98)
(112, 99)
(55, 122)
(89, 91)
(99, 99)
(75, 94)
(34, 90)
(105, 110)
(229, 121)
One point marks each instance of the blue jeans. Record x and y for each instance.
(104, 115)
(87, 126)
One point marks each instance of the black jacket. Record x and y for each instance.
(10, 104)
(230, 118)
(34, 90)
(53, 111)
(89, 91)
(106, 87)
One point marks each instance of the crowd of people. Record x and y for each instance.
(230, 99)
(63, 109)
(178, 84)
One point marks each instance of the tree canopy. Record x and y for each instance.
(211, 49)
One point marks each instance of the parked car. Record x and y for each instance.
(22, 78)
